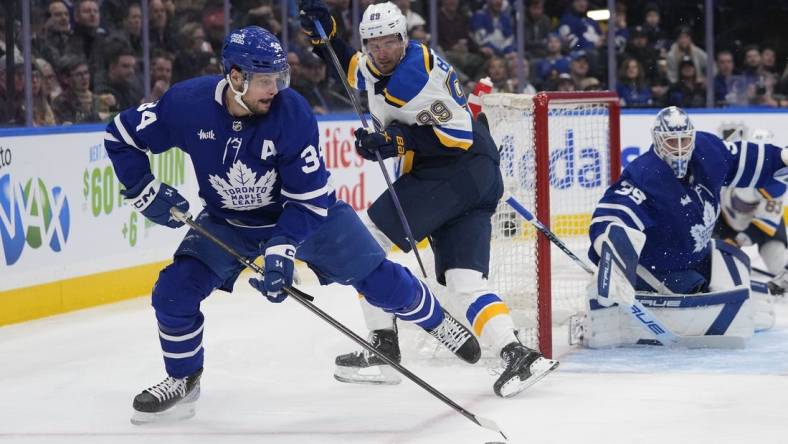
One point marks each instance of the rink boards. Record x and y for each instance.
(69, 241)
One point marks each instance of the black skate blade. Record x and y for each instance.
(385, 375)
(539, 369)
(181, 411)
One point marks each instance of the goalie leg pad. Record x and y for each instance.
(697, 315)
(617, 273)
(730, 267)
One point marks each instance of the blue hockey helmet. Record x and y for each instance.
(674, 138)
(255, 50)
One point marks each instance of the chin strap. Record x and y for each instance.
(238, 94)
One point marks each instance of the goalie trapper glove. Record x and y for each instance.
(154, 199)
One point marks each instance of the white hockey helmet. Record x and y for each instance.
(674, 138)
(380, 20)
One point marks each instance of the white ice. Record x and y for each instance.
(268, 378)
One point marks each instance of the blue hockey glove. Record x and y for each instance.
(154, 199)
(279, 256)
(394, 141)
(311, 10)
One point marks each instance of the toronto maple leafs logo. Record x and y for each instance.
(675, 119)
(701, 233)
(243, 190)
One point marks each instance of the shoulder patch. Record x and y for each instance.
(411, 75)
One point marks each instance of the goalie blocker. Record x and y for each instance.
(733, 306)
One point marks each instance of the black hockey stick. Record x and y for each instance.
(637, 309)
(360, 113)
(305, 300)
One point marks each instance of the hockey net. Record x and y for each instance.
(559, 152)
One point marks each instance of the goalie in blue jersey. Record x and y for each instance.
(449, 190)
(265, 190)
(655, 224)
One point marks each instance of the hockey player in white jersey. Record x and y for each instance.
(654, 224)
(753, 216)
(449, 190)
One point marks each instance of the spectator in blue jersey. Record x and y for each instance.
(493, 31)
(554, 62)
(632, 87)
(579, 31)
(265, 190)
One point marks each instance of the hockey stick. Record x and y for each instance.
(360, 113)
(637, 310)
(305, 300)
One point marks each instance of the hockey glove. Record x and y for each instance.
(312, 10)
(279, 256)
(154, 199)
(394, 141)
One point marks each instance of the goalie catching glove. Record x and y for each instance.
(154, 199)
(279, 257)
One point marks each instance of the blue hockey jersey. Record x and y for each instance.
(678, 215)
(259, 171)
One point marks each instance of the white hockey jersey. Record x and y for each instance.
(766, 215)
(422, 90)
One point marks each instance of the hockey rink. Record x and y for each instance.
(268, 379)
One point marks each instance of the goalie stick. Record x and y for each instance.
(357, 107)
(305, 300)
(637, 310)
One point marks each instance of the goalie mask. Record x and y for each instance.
(674, 139)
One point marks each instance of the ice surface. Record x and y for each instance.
(268, 378)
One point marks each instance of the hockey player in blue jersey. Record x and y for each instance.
(449, 192)
(655, 225)
(265, 189)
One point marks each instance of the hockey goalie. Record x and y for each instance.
(651, 238)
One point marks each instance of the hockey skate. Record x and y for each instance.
(457, 338)
(170, 400)
(363, 367)
(522, 368)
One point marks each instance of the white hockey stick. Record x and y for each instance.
(637, 310)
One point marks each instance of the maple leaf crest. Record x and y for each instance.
(676, 120)
(243, 190)
(701, 233)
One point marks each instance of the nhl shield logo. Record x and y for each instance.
(237, 125)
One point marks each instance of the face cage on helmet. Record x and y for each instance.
(679, 158)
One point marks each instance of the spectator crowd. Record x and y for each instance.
(87, 54)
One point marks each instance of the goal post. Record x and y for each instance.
(559, 152)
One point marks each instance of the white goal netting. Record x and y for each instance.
(578, 154)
